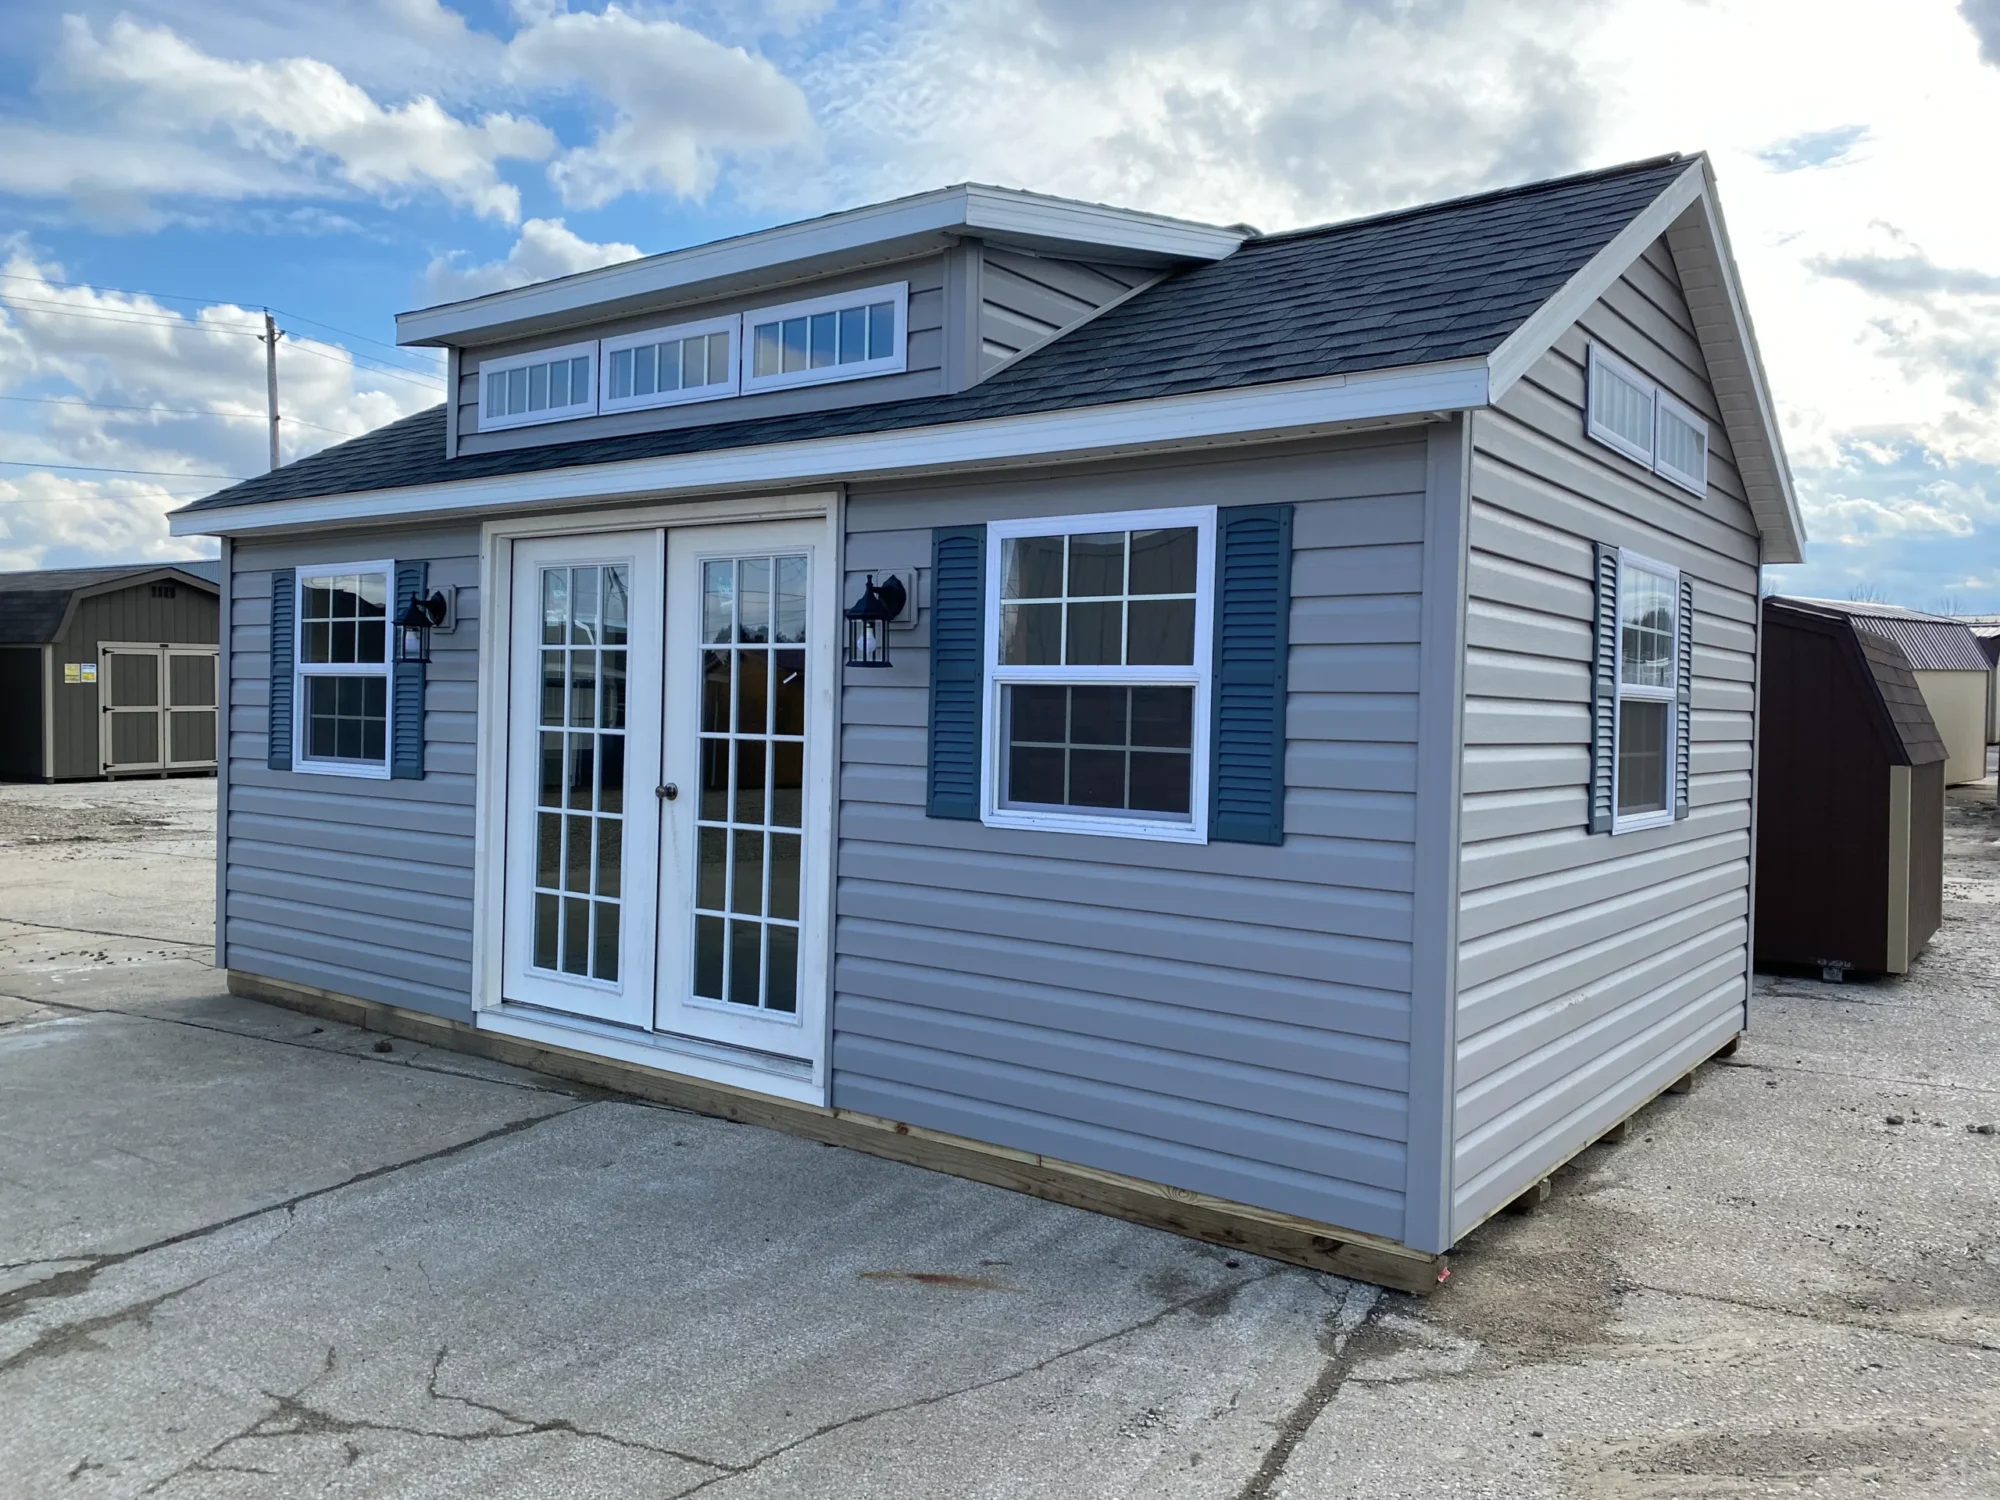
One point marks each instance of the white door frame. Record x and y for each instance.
(710, 1062)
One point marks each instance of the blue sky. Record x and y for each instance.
(341, 163)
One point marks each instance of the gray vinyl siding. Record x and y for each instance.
(1592, 969)
(353, 885)
(1026, 300)
(132, 616)
(1229, 1019)
(929, 351)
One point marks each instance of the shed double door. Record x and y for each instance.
(669, 708)
(157, 708)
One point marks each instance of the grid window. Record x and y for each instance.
(538, 388)
(1648, 671)
(749, 817)
(661, 369)
(1099, 672)
(830, 338)
(342, 668)
(1626, 411)
(580, 792)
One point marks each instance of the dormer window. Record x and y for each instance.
(840, 337)
(665, 366)
(549, 385)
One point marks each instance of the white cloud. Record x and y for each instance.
(546, 248)
(88, 356)
(166, 117)
(678, 100)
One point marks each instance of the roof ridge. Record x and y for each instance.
(1485, 195)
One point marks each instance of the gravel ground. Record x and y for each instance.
(245, 1253)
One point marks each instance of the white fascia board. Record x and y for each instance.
(907, 226)
(1292, 409)
(1687, 203)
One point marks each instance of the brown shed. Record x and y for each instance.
(1850, 808)
(109, 671)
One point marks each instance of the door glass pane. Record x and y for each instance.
(580, 833)
(752, 728)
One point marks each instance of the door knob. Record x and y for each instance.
(667, 793)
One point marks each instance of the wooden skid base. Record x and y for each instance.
(1255, 1231)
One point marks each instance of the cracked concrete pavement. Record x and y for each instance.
(242, 1253)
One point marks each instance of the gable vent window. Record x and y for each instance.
(163, 591)
(546, 386)
(665, 366)
(829, 338)
(1628, 412)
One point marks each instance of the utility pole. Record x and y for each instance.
(270, 340)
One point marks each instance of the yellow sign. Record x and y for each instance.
(72, 672)
(90, 671)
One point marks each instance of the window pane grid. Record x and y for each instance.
(1648, 652)
(749, 805)
(549, 385)
(1124, 598)
(859, 334)
(343, 651)
(580, 787)
(697, 362)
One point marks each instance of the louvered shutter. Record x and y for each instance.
(1253, 606)
(284, 631)
(406, 715)
(1683, 697)
(1604, 690)
(958, 669)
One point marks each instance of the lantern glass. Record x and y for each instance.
(868, 622)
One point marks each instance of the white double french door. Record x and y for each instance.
(670, 705)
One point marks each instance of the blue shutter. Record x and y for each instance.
(958, 669)
(1683, 697)
(284, 631)
(406, 716)
(1604, 689)
(1253, 607)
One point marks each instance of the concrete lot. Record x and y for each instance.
(243, 1253)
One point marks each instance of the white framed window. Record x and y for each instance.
(341, 703)
(1643, 761)
(1097, 673)
(1626, 411)
(840, 337)
(669, 366)
(549, 385)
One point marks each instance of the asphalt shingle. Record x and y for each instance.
(1441, 282)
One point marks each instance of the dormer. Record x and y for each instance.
(923, 296)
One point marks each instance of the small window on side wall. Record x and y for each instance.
(1629, 413)
(1098, 673)
(342, 702)
(1641, 693)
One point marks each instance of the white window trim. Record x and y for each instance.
(1198, 675)
(575, 409)
(1665, 405)
(732, 325)
(1621, 690)
(893, 364)
(302, 669)
(1649, 459)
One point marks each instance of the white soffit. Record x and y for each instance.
(881, 232)
(1688, 216)
(1293, 409)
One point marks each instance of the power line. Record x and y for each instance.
(24, 463)
(180, 411)
(436, 387)
(85, 286)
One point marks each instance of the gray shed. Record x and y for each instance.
(109, 671)
(1297, 791)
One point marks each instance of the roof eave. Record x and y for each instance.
(1237, 415)
(1687, 213)
(864, 236)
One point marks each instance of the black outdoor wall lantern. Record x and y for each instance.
(868, 621)
(413, 629)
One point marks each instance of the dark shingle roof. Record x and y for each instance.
(1933, 643)
(1444, 281)
(32, 605)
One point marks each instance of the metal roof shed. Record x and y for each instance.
(108, 671)
(1850, 822)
